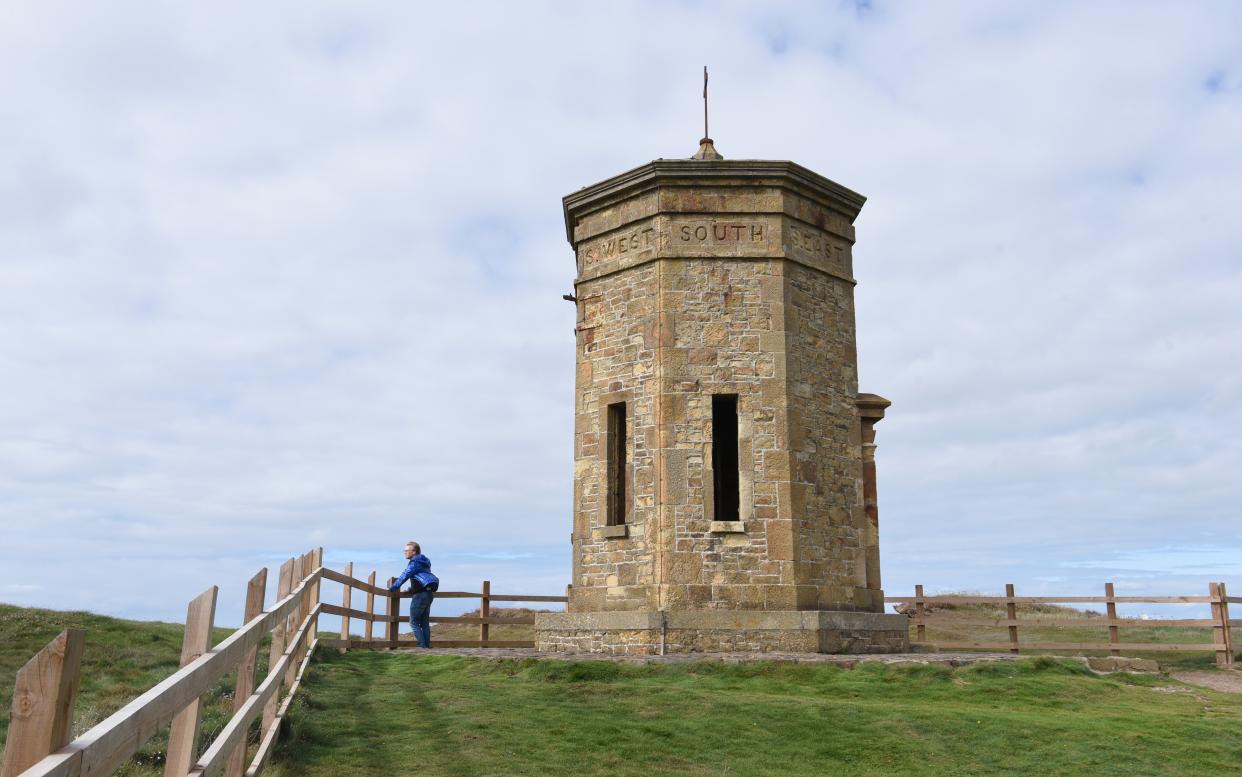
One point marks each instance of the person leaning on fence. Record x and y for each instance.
(423, 585)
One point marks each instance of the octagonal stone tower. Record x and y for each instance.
(721, 497)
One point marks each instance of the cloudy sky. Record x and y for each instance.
(288, 274)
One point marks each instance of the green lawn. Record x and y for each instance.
(369, 713)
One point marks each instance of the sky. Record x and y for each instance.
(284, 275)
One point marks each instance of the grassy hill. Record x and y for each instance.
(122, 660)
(371, 714)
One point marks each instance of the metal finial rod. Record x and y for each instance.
(706, 134)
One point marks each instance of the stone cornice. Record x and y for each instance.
(698, 173)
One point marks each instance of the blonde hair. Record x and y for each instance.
(415, 545)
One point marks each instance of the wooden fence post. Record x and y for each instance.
(1224, 619)
(920, 631)
(371, 608)
(256, 592)
(485, 610)
(182, 738)
(347, 601)
(1011, 610)
(284, 586)
(43, 697)
(296, 616)
(1220, 630)
(1111, 604)
(313, 632)
(394, 612)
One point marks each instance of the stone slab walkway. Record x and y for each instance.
(948, 659)
(1226, 681)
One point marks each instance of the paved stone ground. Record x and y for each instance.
(949, 659)
(1228, 682)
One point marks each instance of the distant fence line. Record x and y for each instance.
(391, 617)
(1217, 598)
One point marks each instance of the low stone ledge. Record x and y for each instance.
(706, 631)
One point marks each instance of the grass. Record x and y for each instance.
(123, 659)
(368, 713)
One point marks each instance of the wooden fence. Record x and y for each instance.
(46, 687)
(38, 738)
(391, 617)
(1217, 598)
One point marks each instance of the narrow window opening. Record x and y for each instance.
(618, 463)
(724, 457)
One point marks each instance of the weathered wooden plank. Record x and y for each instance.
(233, 734)
(316, 564)
(183, 737)
(1221, 636)
(485, 609)
(1110, 597)
(394, 612)
(383, 644)
(337, 577)
(347, 602)
(495, 643)
(279, 633)
(952, 620)
(256, 592)
(43, 697)
(494, 619)
(268, 743)
(336, 609)
(298, 613)
(920, 611)
(101, 750)
(371, 606)
(499, 597)
(1043, 599)
(524, 598)
(1011, 610)
(1129, 646)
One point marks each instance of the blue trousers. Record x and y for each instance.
(420, 611)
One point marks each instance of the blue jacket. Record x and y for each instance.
(418, 571)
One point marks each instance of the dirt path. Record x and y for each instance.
(1228, 682)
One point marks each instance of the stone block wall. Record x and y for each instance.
(737, 287)
(776, 632)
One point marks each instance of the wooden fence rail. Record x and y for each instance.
(1219, 622)
(38, 744)
(392, 614)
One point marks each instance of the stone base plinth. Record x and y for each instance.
(716, 631)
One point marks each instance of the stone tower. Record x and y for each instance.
(722, 500)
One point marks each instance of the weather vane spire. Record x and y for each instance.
(707, 151)
(706, 134)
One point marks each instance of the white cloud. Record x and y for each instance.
(290, 275)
